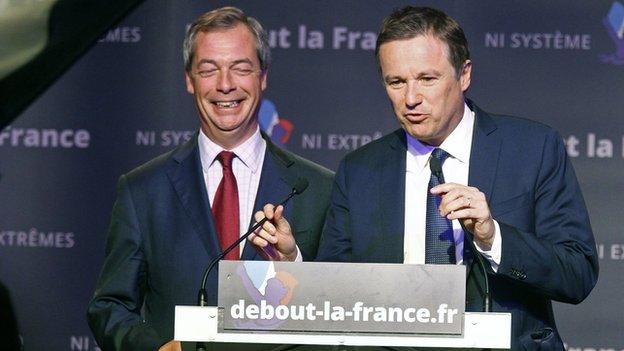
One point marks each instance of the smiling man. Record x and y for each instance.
(174, 214)
(409, 196)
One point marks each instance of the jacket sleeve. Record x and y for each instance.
(335, 245)
(114, 313)
(559, 259)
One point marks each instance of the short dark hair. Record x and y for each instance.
(410, 21)
(226, 18)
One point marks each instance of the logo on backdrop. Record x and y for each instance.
(614, 23)
(265, 287)
(277, 128)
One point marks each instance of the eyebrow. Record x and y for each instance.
(420, 74)
(233, 63)
(391, 77)
(430, 72)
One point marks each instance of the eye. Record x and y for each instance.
(428, 80)
(242, 71)
(206, 73)
(396, 83)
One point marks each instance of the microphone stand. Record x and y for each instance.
(202, 300)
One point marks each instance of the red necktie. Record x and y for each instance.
(225, 206)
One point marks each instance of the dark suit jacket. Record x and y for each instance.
(548, 249)
(9, 334)
(162, 237)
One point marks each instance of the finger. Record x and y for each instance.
(258, 241)
(269, 228)
(467, 197)
(280, 221)
(279, 212)
(452, 200)
(474, 214)
(269, 211)
(461, 214)
(268, 233)
(258, 216)
(458, 203)
(445, 188)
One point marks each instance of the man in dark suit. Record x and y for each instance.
(508, 181)
(177, 212)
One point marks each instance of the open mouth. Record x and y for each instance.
(227, 104)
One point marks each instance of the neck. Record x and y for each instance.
(230, 139)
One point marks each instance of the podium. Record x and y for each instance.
(481, 330)
(243, 293)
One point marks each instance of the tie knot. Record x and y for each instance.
(439, 155)
(226, 157)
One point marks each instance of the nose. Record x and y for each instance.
(225, 83)
(413, 95)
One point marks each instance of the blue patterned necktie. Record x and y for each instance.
(439, 241)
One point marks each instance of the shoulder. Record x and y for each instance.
(527, 139)
(155, 170)
(299, 165)
(512, 126)
(523, 126)
(291, 167)
(523, 141)
(308, 166)
(378, 150)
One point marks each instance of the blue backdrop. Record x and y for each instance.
(125, 102)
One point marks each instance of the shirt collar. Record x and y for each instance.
(249, 152)
(457, 144)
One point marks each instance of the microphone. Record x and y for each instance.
(436, 169)
(299, 187)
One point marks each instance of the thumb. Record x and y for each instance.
(279, 219)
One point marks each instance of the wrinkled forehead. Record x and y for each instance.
(226, 45)
(414, 51)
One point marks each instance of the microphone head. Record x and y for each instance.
(301, 185)
(435, 166)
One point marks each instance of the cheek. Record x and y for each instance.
(396, 98)
(204, 86)
(437, 98)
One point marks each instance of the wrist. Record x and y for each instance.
(291, 257)
(485, 245)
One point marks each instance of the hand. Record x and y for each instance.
(467, 204)
(171, 346)
(275, 231)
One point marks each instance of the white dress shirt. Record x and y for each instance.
(246, 166)
(455, 168)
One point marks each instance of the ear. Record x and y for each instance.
(466, 73)
(189, 83)
(263, 79)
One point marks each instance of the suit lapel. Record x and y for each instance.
(484, 153)
(484, 157)
(276, 181)
(185, 174)
(392, 197)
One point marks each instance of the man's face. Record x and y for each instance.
(227, 83)
(421, 83)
